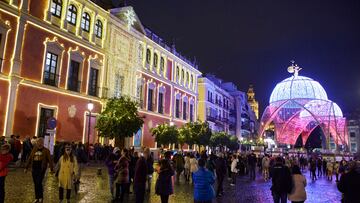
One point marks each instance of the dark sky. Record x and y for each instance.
(252, 42)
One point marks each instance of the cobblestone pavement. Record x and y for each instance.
(94, 189)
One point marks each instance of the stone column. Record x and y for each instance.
(14, 83)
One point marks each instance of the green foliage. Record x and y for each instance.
(200, 133)
(219, 139)
(119, 119)
(165, 134)
(233, 143)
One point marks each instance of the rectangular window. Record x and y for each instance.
(191, 112)
(184, 110)
(140, 95)
(73, 78)
(160, 103)
(45, 114)
(352, 134)
(150, 99)
(50, 76)
(93, 82)
(177, 108)
(353, 147)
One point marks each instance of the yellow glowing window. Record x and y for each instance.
(72, 14)
(85, 22)
(98, 29)
(56, 7)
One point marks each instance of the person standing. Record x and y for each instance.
(122, 179)
(298, 193)
(330, 170)
(27, 147)
(234, 170)
(221, 168)
(68, 172)
(265, 167)
(134, 158)
(164, 186)
(319, 165)
(5, 159)
(150, 168)
(313, 169)
(187, 167)
(141, 172)
(203, 184)
(349, 183)
(39, 160)
(252, 165)
(111, 161)
(179, 163)
(281, 181)
(193, 165)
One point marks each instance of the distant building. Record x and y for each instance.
(252, 101)
(354, 135)
(224, 107)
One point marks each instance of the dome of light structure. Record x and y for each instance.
(300, 104)
(298, 87)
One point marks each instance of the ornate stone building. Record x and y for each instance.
(252, 101)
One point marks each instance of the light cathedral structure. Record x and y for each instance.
(297, 106)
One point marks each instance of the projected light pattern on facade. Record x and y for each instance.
(297, 106)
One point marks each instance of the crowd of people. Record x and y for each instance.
(131, 171)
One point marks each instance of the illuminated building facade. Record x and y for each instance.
(297, 106)
(141, 65)
(224, 107)
(252, 101)
(53, 65)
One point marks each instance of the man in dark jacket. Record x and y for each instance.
(252, 165)
(350, 183)
(281, 181)
(221, 167)
(141, 177)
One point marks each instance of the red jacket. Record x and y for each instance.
(4, 161)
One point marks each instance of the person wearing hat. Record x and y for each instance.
(5, 159)
(111, 161)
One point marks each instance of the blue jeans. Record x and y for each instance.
(279, 197)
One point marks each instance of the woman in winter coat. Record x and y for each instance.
(298, 193)
(234, 170)
(164, 186)
(122, 179)
(68, 172)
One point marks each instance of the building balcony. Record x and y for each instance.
(210, 118)
(51, 79)
(94, 91)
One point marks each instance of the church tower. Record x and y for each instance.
(251, 100)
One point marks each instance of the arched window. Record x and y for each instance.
(148, 56)
(85, 22)
(182, 75)
(155, 60)
(98, 29)
(187, 79)
(56, 7)
(162, 64)
(72, 14)
(178, 73)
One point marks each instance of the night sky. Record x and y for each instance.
(252, 42)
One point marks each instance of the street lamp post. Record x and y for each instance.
(90, 107)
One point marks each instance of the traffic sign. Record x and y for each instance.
(51, 123)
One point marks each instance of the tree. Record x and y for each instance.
(233, 144)
(165, 134)
(119, 119)
(200, 133)
(219, 139)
